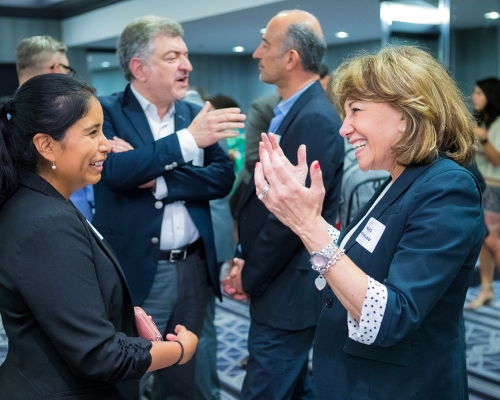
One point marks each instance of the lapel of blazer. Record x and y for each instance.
(181, 117)
(135, 114)
(36, 182)
(314, 90)
(106, 248)
(399, 187)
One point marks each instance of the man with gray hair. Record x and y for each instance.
(273, 268)
(152, 204)
(38, 55)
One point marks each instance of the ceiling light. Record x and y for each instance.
(409, 13)
(492, 15)
(105, 64)
(342, 35)
(263, 30)
(238, 49)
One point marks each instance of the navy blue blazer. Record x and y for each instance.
(65, 305)
(127, 216)
(277, 273)
(434, 229)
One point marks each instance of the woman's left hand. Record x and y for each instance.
(299, 171)
(293, 204)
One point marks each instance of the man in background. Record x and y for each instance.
(39, 55)
(324, 76)
(152, 204)
(274, 269)
(260, 115)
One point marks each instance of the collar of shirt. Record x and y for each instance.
(151, 112)
(284, 107)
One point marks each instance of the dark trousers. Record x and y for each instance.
(178, 382)
(277, 364)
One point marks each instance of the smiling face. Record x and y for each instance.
(479, 100)
(80, 155)
(372, 129)
(165, 75)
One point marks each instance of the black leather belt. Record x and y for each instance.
(181, 253)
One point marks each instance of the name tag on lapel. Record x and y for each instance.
(371, 234)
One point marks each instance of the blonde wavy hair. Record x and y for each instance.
(414, 83)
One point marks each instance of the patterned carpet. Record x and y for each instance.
(482, 337)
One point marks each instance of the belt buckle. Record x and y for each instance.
(174, 253)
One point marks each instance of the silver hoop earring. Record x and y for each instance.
(53, 165)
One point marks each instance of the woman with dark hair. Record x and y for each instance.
(486, 103)
(395, 281)
(64, 302)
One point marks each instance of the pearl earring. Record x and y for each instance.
(53, 166)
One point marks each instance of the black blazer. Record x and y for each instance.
(277, 273)
(128, 217)
(65, 306)
(434, 228)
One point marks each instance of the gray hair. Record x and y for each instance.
(310, 46)
(33, 51)
(137, 39)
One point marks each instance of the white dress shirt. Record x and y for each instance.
(177, 228)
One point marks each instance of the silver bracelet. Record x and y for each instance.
(334, 259)
(320, 281)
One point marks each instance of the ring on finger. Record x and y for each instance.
(264, 192)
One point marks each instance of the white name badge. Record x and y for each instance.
(371, 234)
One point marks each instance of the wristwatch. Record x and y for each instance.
(319, 259)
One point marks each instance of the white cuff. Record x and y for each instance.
(161, 190)
(189, 148)
(372, 313)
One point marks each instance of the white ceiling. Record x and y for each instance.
(360, 18)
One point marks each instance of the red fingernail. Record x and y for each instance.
(316, 165)
(257, 163)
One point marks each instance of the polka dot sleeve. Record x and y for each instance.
(367, 329)
(334, 233)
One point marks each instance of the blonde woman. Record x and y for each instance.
(391, 325)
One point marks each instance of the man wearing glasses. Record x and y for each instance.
(39, 55)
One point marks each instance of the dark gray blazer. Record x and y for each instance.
(64, 302)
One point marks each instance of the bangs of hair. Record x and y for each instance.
(414, 83)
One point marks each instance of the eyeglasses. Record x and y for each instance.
(71, 71)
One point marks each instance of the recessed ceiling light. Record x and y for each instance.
(409, 13)
(492, 15)
(263, 30)
(342, 35)
(238, 49)
(105, 64)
